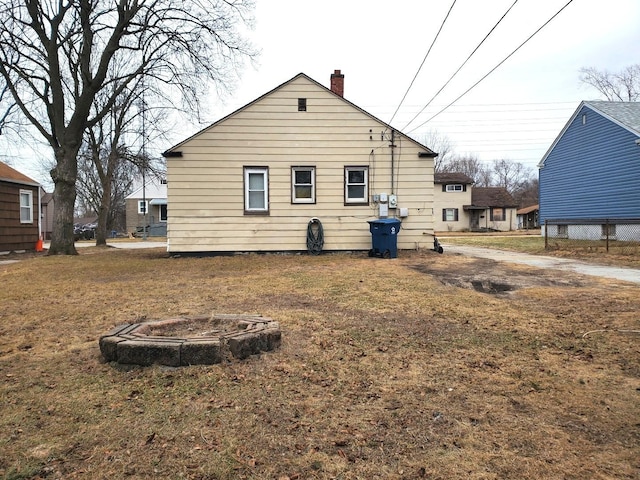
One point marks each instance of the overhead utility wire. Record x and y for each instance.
(423, 60)
(494, 68)
(460, 67)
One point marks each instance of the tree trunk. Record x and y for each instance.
(103, 213)
(64, 176)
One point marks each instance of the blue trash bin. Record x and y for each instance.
(384, 237)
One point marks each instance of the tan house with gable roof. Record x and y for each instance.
(452, 192)
(255, 180)
(459, 206)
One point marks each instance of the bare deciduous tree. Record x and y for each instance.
(7, 105)
(440, 144)
(623, 86)
(509, 174)
(56, 58)
(108, 163)
(527, 193)
(471, 166)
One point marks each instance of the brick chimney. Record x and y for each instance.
(337, 83)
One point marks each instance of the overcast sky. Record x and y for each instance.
(514, 113)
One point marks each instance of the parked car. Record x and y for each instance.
(84, 232)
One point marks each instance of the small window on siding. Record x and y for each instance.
(143, 206)
(455, 188)
(356, 185)
(584, 118)
(256, 190)
(563, 231)
(449, 214)
(26, 206)
(608, 230)
(303, 184)
(163, 213)
(302, 104)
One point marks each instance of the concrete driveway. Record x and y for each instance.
(576, 266)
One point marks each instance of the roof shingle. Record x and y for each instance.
(492, 197)
(8, 173)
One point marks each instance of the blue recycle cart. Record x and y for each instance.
(384, 237)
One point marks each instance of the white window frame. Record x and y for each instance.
(264, 171)
(143, 207)
(456, 187)
(28, 209)
(312, 185)
(364, 200)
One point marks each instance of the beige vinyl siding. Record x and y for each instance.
(451, 200)
(206, 184)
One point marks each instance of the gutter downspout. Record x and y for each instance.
(39, 212)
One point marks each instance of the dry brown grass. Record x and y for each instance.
(385, 371)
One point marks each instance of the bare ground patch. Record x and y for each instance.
(490, 276)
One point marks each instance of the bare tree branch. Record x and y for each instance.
(616, 87)
(57, 57)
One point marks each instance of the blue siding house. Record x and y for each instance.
(590, 176)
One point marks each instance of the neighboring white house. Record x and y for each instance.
(459, 206)
(147, 205)
(452, 192)
(254, 180)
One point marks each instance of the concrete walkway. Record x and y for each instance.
(577, 266)
(124, 245)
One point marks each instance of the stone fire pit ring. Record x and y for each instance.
(183, 341)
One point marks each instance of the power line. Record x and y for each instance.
(423, 60)
(496, 67)
(460, 67)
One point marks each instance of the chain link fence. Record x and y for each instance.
(618, 236)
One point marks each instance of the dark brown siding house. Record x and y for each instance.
(19, 210)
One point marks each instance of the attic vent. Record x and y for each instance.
(302, 104)
(584, 118)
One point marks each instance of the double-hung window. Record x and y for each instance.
(143, 207)
(303, 184)
(26, 206)
(455, 188)
(356, 185)
(450, 214)
(256, 190)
